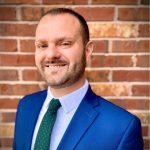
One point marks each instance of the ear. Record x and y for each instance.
(88, 50)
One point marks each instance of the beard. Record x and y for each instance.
(65, 77)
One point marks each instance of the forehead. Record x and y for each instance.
(57, 24)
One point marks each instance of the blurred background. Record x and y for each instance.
(119, 70)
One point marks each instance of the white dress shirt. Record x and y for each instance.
(69, 104)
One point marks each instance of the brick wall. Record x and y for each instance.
(119, 67)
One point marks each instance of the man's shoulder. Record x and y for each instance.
(106, 107)
(110, 109)
(38, 93)
(34, 97)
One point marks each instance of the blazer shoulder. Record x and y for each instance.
(34, 97)
(105, 107)
(110, 108)
(36, 94)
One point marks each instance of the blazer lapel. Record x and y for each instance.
(33, 112)
(80, 123)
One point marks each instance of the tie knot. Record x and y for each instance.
(54, 105)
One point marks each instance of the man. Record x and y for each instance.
(84, 120)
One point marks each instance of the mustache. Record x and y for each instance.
(54, 61)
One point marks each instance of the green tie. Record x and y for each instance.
(44, 133)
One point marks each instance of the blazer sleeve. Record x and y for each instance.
(15, 130)
(132, 138)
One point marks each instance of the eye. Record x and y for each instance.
(65, 44)
(42, 46)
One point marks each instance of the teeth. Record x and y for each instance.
(54, 66)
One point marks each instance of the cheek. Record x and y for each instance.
(73, 58)
(38, 58)
(75, 55)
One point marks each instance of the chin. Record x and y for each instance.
(56, 84)
(59, 84)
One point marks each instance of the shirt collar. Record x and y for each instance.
(72, 100)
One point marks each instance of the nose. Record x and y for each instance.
(52, 52)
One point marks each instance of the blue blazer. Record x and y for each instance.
(96, 125)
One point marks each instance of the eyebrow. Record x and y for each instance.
(57, 39)
(40, 41)
(65, 38)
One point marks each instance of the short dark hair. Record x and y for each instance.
(83, 23)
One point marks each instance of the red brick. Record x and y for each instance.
(119, 2)
(8, 45)
(6, 142)
(18, 89)
(143, 14)
(132, 104)
(145, 130)
(97, 75)
(131, 75)
(17, 29)
(6, 103)
(110, 89)
(7, 13)
(124, 46)
(100, 46)
(57, 1)
(139, 104)
(144, 30)
(8, 75)
(79, 2)
(144, 46)
(31, 13)
(130, 14)
(6, 130)
(143, 61)
(127, 14)
(110, 30)
(146, 144)
(27, 45)
(17, 60)
(145, 2)
(7, 117)
(96, 13)
(31, 75)
(141, 90)
(112, 61)
(20, 2)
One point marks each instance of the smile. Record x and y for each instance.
(55, 65)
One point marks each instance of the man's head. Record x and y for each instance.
(83, 24)
(62, 47)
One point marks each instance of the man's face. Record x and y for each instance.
(60, 56)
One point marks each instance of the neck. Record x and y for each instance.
(66, 90)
